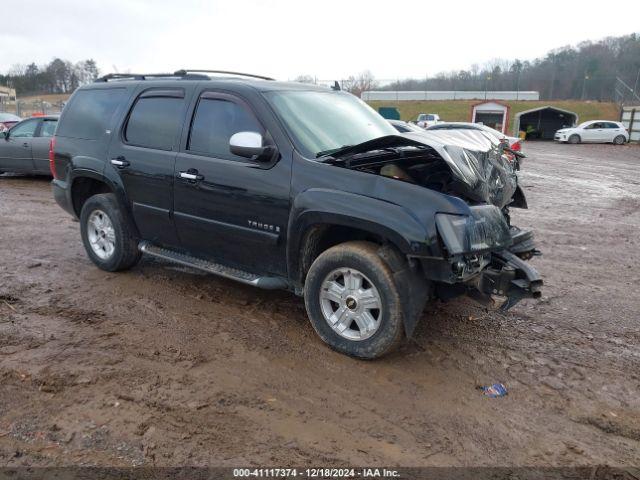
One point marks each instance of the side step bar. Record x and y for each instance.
(269, 283)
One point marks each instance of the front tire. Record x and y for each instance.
(353, 301)
(107, 234)
(574, 139)
(619, 140)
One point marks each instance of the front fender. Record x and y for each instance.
(332, 207)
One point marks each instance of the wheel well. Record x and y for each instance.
(321, 237)
(83, 188)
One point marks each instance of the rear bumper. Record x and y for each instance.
(62, 196)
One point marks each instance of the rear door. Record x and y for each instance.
(235, 211)
(15, 150)
(144, 156)
(40, 144)
(613, 130)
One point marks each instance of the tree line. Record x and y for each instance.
(58, 76)
(588, 71)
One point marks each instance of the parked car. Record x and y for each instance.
(24, 148)
(259, 181)
(427, 119)
(8, 120)
(405, 127)
(594, 131)
(513, 142)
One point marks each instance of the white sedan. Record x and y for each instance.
(594, 131)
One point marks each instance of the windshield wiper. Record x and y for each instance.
(331, 151)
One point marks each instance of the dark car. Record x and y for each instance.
(8, 120)
(290, 186)
(24, 148)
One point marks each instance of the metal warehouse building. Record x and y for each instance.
(449, 95)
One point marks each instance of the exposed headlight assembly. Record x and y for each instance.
(485, 229)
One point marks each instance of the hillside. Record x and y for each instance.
(460, 110)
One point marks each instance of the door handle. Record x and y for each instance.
(191, 175)
(25, 145)
(119, 162)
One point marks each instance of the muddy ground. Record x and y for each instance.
(162, 365)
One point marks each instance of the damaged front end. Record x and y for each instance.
(481, 253)
(481, 264)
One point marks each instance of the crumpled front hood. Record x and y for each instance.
(482, 172)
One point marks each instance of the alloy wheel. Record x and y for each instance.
(351, 304)
(101, 234)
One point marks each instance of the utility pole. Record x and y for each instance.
(584, 85)
(635, 86)
(486, 85)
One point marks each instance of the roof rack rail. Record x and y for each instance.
(186, 71)
(145, 76)
(181, 74)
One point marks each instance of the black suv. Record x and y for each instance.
(291, 186)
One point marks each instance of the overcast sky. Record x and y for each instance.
(328, 39)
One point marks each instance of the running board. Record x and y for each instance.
(269, 283)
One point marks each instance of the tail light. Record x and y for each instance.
(52, 157)
(516, 147)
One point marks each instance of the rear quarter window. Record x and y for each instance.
(90, 112)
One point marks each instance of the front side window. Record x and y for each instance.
(48, 128)
(155, 122)
(321, 121)
(25, 129)
(214, 123)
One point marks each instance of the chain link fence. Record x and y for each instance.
(31, 107)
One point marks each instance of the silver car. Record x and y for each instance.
(25, 147)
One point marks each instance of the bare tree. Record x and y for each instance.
(304, 79)
(363, 82)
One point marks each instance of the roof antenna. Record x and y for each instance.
(336, 86)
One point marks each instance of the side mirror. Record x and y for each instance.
(249, 145)
(4, 134)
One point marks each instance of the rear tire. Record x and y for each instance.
(350, 287)
(574, 139)
(107, 234)
(619, 140)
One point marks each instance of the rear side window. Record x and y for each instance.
(48, 128)
(155, 122)
(90, 112)
(612, 125)
(215, 122)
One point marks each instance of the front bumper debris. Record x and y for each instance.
(507, 276)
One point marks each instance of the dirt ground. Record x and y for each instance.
(166, 366)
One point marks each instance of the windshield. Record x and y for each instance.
(325, 121)
(426, 117)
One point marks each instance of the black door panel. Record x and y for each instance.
(237, 214)
(227, 208)
(144, 156)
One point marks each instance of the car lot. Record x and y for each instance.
(162, 365)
